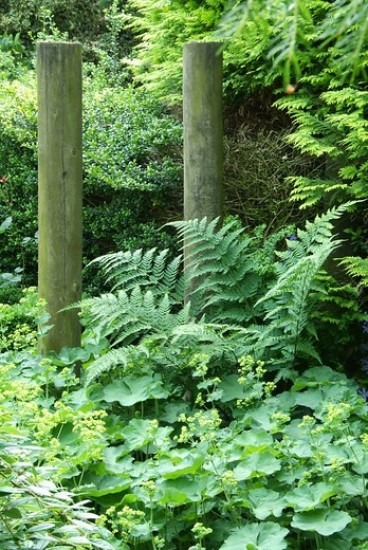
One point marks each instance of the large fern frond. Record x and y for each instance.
(150, 269)
(290, 300)
(222, 268)
(124, 317)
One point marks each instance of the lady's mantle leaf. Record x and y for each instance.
(265, 502)
(324, 521)
(257, 536)
(308, 498)
(257, 464)
(132, 390)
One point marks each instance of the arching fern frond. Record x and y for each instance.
(150, 269)
(290, 300)
(310, 239)
(222, 266)
(119, 357)
(125, 317)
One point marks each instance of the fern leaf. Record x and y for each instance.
(116, 357)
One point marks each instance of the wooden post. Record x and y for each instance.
(59, 81)
(203, 130)
(203, 137)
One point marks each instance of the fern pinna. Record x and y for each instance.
(264, 297)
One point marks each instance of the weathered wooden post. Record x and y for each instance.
(203, 134)
(59, 81)
(203, 130)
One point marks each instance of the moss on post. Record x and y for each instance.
(59, 84)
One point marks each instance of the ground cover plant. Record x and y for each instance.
(214, 424)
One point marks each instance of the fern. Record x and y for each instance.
(128, 270)
(120, 357)
(124, 317)
(250, 297)
(356, 267)
(224, 267)
(296, 293)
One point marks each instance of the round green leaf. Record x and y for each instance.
(257, 536)
(324, 521)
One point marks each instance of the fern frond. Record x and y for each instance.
(115, 357)
(124, 317)
(223, 266)
(356, 267)
(288, 302)
(151, 269)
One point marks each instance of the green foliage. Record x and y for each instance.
(300, 30)
(18, 187)
(84, 20)
(128, 139)
(36, 512)
(132, 167)
(164, 27)
(19, 322)
(11, 43)
(263, 40)
(246, 296)
(9, 279)
(183, 434)
(330, 124)
(357, 267)
(234, 463)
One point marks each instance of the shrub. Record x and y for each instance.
(164, 27)
(19, 322)
(132, 168)
(83, 20)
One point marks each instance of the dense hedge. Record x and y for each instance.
(132, 168)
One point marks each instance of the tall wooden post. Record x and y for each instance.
(203, 130)
(59, 81)
(203, 136)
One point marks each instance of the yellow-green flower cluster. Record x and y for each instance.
(199, 363)
(90, 425)
(337, 412)
(200, 531)
(202, 425)
(122, 522)
(251, 377)
(228, 479)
